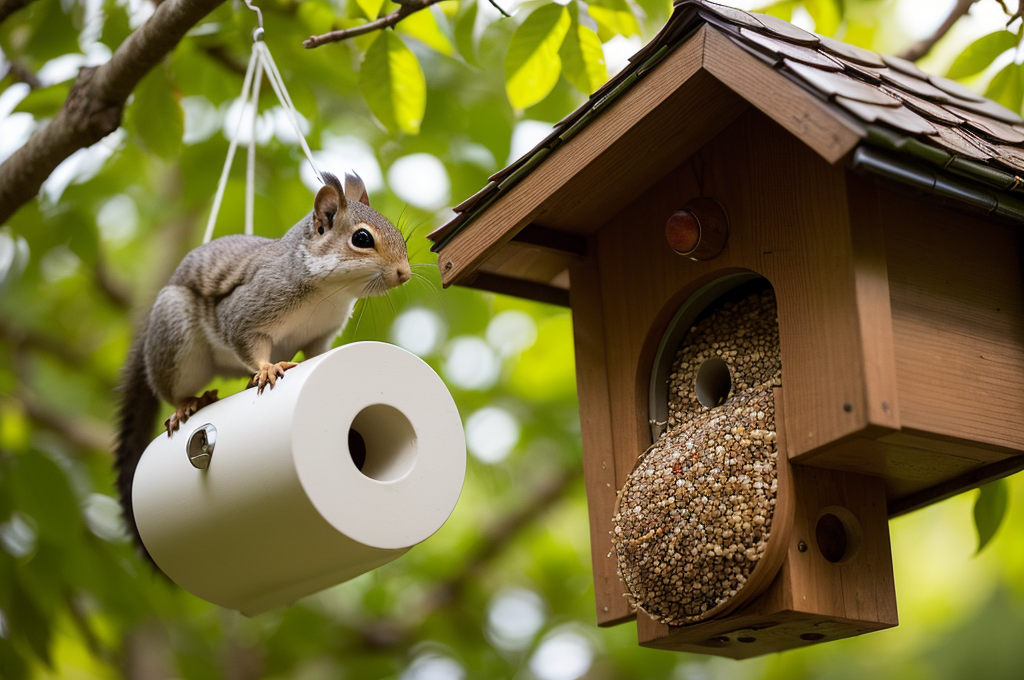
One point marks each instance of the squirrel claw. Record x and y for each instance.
(188, 409)
(269, 373)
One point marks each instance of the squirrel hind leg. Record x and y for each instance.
(188, 409)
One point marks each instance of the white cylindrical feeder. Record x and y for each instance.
(351, 459)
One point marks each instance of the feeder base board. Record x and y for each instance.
(743, 636)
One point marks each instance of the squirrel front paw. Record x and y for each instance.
(269, 373)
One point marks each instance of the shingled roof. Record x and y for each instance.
(915, 128)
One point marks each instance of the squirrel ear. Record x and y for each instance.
(328, 202)
(355, 190)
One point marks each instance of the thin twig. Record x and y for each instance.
(220, 55)
(394, 632)
(503, 12)
(82, 434)
(923, 47)
(24, 339)
(9, 7)
(23, 75)
(96, 102)
(115, 291)
(386, 21)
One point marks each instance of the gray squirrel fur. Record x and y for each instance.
(244, 305)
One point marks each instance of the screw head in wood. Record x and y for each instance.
(698, 231)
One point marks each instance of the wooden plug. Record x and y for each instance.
(698, 231)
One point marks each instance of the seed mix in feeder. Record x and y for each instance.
(693, 518)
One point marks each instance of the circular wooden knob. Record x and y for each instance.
(698, 231)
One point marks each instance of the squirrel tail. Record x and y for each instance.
(138, 411)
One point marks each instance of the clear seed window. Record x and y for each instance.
(694, 516)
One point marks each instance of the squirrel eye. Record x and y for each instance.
(362, 239)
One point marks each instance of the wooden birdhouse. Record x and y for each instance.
(794, 268)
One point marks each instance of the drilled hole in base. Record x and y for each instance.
(837, 534)
(812, 636)
(714, 383)
(746, 639)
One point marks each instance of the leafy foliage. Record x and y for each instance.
(79, 265)
(990, 510)
(981, 53)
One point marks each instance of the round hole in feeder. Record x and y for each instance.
(382, 443)
(838, 534)
(812, 636)
(747, 639)
(713, 382)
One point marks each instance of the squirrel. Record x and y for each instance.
(243, 305)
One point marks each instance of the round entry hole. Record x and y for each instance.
(837, 534)
(382, 443)
(713, 382)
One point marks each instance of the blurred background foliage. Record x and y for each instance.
(425, 113)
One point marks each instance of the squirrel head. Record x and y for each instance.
(349, 240)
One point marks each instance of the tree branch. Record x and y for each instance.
(23, 75)
(387, 21)
(22, 339)
(96, 102)
(9, 7)
(82, 434)
(390, 632)
(115, 291)
(923, 47)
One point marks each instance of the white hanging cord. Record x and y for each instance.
(274, 76)
(222, 184)
(259, 60)
(250, 165)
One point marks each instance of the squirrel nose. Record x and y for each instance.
(403, 274)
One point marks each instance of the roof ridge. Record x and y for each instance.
(930, 117)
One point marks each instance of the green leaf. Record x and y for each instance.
(1007, 87)
(423, 26)
(532, 64)
(46, 101)
(465, 22)
(319, 17)
(783, 9)
(155, 114)
(12, 666)
(53, 31)
(371, 8)
(582, 57)
(981, 53)
(29, 622)
(393, 84)
(43, 491)
(613, 17)
(990, 510)
(827, 15)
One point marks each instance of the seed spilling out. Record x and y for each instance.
(694, 517)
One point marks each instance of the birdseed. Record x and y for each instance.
(694, 516)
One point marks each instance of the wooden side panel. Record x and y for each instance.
(600, 474)
(958, 323)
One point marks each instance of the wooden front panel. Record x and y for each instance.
(789, 222)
